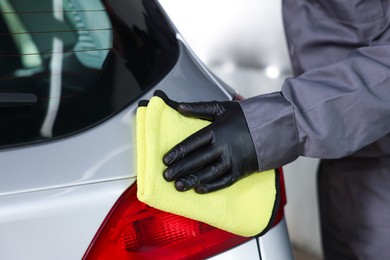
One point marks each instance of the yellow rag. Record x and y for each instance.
(244, 208)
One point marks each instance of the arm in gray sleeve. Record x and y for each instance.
(328, 112)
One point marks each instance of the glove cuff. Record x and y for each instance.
(272, 125)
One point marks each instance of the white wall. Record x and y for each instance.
(243, 43)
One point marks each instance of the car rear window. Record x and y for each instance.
(66, 65)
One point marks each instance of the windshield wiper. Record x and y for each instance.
(17, 99)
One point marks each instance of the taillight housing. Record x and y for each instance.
(133, 230)
(283, 198)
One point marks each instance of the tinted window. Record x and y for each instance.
(66, 65)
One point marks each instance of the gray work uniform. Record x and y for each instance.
(337, 108)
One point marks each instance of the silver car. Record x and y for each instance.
(71, 75)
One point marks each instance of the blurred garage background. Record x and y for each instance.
(243, 43)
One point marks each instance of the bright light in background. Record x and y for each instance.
(228, 67)
(272, 72)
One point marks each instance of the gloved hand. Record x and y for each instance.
(216, 156)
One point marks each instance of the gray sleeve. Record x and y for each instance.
(329, 112)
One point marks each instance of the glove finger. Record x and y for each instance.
(198, 160)
(203, 110)
(216, 185)
(202, 176)
(143, 103)
(161, 94)
(190, 144)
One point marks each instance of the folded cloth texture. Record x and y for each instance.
(245, 208)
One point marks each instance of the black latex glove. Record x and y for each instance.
(216, 156)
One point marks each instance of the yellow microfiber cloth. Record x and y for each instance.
(245, 208)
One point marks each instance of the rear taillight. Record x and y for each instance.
(237, 97)
(283, 199)
(133, 230)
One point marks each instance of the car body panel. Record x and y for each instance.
(248, 250)
(273, 245)
(55, 223)
(276, 243)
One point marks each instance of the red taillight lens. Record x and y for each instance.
(283, 199)
(133, 230)
(238, 97)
